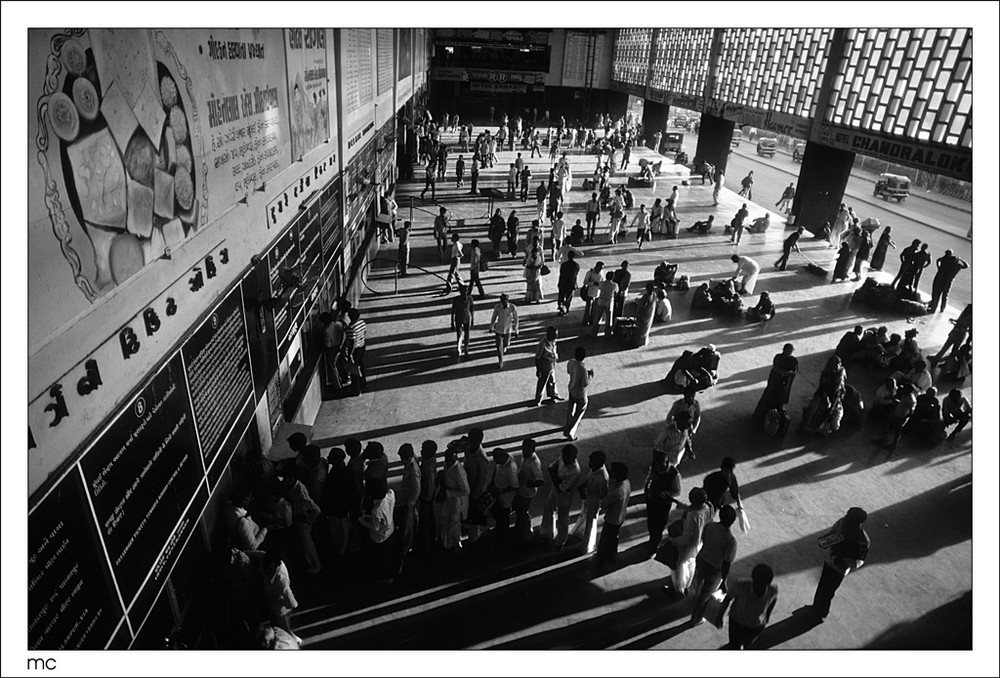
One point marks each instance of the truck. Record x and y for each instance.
(767, 146)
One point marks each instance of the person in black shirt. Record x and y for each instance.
(718, 483)
(791, 243)
(568, 272)
(948, 267)
(848, 544)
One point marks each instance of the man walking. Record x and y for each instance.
(603, 305)
(475, 264)
(718, 551)
(502, 324)
(430, 180)
(356, 333)
(525, 181)
(546, 355)
(579, 381)
(784, 204)
(568, 272)
(590, 290)
(456, 259)
(512, 176)
(948, 267)
(791, 243)
(593, 209)
(441, 232)
(460, 172)
(746, 186)
(462, 319)
(848, 544)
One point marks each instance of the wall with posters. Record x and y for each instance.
(385, 75)
(122, 224)
(308, 88)
(183, 233)
(404, 65)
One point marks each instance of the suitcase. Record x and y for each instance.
(776, 423)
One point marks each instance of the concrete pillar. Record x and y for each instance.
(617, 104)
(714, 138)
(822, 182)
(654, 118)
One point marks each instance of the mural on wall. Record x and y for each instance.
(145, 136)
(121, 152)
(308, 88)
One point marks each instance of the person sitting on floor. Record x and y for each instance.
(850, 346)
(760, 224)
(664, 273)
(918, 375)
(702, 297)
(763, 311)
(885, 398)
(663, 312)
(725, 299)
(956, 409)
(926, 420)
(704, 370)
(703, 226)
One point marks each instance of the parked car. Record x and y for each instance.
(892, 186)
(767, 146)
(672, 142)
(798, 150)
(737, 138)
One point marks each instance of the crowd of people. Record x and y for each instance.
(447, 501)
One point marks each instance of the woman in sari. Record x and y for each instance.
(644, 309)
(884, 243)
(824, 413)
(656, 217)
(456, 500)
(779, 383)
(533, 262)
(845, 257)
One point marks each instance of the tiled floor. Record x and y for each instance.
(919, 499)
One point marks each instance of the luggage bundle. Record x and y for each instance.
(624, 330)
(776, 423)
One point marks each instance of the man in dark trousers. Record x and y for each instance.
(848, 544)
(474, 173)
(948, 267)
(430, 180)
(791, 243)
(569, 270)
(525, 180)
(905, 258)
(460, 172)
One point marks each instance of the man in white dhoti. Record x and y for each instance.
(746, 274)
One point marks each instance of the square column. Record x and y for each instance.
(822, 182)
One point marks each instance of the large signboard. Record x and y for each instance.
(308, 88)
(104, 539)
(217, 364)
(575, 58)
(770, 121)
(946, 160)
(357, 53)
(142, 473)
(385, 61)
(72, 600)
(139, 138)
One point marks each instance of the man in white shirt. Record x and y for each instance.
(558, 232)
(529, 479)
(456, 259)
(405, 514)
(505, 485)
(579, 380)
(590, 291)
(246, 534)
(615, 506)
(380, 527)
(565, 475)
(502, 324)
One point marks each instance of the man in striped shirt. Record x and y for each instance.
(356, 347)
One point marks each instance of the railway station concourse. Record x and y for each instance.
(205, 203)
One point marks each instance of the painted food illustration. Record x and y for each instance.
(125, 146)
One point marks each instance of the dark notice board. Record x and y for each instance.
(331, 219)
(260, 328)
(284, 254)
(217, 365)
(72, 602)
(141, 475)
